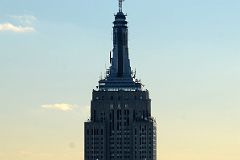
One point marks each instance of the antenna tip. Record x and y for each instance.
(120, 5)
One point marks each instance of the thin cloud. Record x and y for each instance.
(61, 106)
(13, 28)
(18, 24)
(27, 20)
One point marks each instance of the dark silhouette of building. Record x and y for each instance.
(120, 126)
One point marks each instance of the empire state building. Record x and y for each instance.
(120, 126)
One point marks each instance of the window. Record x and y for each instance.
(111, 106)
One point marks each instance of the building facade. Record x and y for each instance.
(120, 126)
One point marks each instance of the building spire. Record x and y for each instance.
(120, 76)
(120, 66)
(120, 5)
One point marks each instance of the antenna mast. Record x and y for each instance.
(120, 5)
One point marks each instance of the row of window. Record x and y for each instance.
(94, 157)
(119, 98)
(143, 157)
(95, 144)
(95, 152)
(94, 131)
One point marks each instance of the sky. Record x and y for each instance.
(186, 53)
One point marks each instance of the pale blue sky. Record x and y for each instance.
(186, 52)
